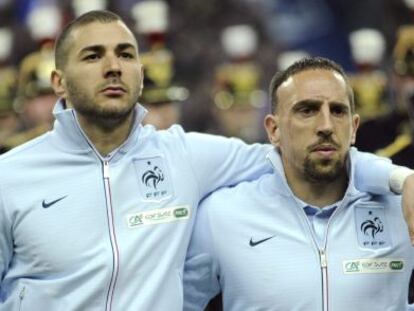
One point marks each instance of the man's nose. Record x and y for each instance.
(112, 66)
(325, 122)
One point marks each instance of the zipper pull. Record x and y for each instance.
(106, 169)
(22, 291)
(322, 255)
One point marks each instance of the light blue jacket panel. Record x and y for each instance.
(79, 232)
(254, 243)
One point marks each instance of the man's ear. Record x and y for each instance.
(58, 83)
(142, 80)
(355, 125)
(271, 123)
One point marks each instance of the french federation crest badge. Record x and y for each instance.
(371, 227)
(153, 178)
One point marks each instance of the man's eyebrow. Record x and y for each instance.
(92, 48)
(307, 102)
(314, 102)
(339, 103)
(101, 48)
(124, 46)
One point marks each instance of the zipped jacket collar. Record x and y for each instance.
(276, 161)
(67, 133)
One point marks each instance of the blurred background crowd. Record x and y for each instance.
(208, 63)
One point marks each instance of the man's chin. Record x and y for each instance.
(115, 116)
(113, 107)
(323, 171)
(108, 117)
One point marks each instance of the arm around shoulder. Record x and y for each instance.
(375, 174)
(219, 161)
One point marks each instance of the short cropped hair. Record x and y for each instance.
(61, 45)
(307, 63)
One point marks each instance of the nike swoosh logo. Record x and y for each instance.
(255, 243)
(49, 204)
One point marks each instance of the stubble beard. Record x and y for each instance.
(323, 171)
(86, 106)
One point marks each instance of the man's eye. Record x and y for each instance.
(338, 111)
(307, 110)
(126, 55)
(91, 57)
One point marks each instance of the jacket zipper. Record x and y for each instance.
(324, 261)
(110, 216)
(324, 269)
(322, 256)
(21, 296)
(114, 244)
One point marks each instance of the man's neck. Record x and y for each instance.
(318, 194)
(106, 138)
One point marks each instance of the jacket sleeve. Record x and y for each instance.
(219, 161)
(6, 244)
(201, 270)
(372, 173)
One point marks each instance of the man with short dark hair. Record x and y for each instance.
(302, 238)
(97, 213)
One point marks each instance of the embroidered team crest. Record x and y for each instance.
(153, 179)
(371, 228)
(153, 176)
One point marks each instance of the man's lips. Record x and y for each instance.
(113, 90)
(325, 150)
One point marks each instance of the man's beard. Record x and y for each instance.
(86, 106)
(323, 171)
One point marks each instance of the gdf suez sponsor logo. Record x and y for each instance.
(352, 266)
(396, 265)
(373, 266)
(181, 212)
(135, 220)
(158, 216)
(161, 215)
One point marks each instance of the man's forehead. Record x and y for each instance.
(310, 74)
(308, 79)
(313, 83)
(98, 33)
